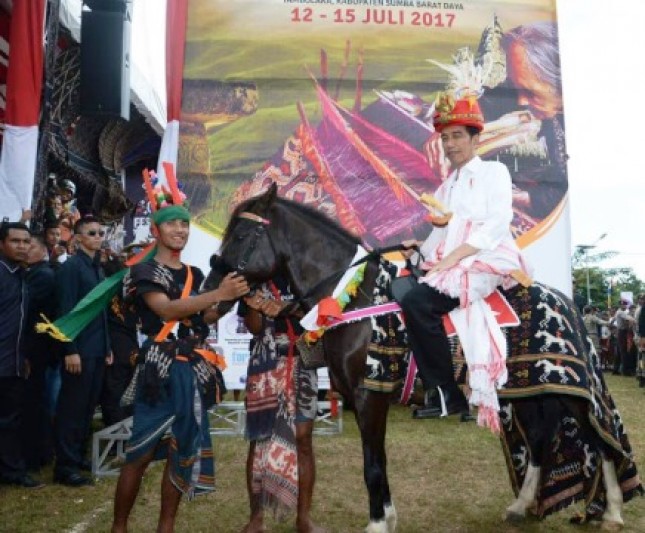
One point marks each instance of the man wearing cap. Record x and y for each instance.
(174, 383)
(465, 261)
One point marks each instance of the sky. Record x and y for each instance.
(603, 76)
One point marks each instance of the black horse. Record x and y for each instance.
(555, 396)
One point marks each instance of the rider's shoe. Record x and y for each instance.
(467, 416)
(447, 401)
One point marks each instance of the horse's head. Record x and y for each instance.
(248, 247)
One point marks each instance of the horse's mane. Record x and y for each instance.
(319, 219)
(328, 225)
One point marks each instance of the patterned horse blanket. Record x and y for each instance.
(388, 354)
(550, 353)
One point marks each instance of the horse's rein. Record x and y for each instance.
(372, 254)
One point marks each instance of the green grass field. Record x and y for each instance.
(445, 477)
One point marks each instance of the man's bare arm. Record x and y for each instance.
(232, 287)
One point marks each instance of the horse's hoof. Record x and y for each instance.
(611, 525)
(513, 517)
(390, 517)
(377, 527)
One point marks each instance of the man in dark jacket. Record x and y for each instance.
(14, 245)
(40, 353)
(85, 358)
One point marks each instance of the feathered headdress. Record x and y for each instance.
(466, 77)
(167, 200)
(452, 112)
(458, 104)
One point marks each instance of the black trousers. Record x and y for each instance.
(423, 309)
(37, 429)
(12, 394)
(117, 377)
(623, 355)
(79, 395)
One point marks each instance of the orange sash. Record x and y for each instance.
(167, 328)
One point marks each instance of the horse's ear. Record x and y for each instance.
(267, 199)
(272, 193)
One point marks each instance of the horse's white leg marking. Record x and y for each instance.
(527, 494)
(612, 519)
(379, 526)
(390, 516)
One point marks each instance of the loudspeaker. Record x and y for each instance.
(105, 60)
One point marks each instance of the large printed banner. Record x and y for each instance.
(332, 100)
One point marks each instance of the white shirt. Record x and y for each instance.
(479, 196)
(480, 192)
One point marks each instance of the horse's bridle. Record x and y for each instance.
(260, 230)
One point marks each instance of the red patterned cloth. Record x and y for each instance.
(275, 462)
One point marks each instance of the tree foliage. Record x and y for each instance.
(605, 284)
(600, 281)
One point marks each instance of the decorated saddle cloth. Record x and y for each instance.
(549, 353)
(388, 354)
(174, 383)
(389, 363)
(279, 393)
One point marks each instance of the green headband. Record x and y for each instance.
(172, 212)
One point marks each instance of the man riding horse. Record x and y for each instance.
(469, 253)
(561, 432)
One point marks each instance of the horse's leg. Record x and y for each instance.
(527, 495)
(371, 410)
(345, 350)
(539, 418)
(612, 519)
(391, 518)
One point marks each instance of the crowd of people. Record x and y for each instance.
(618, 336)
(49, 388)
(140, 353)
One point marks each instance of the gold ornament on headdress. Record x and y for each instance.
(444, 102)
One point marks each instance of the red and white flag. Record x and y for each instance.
(22, 109)
(5, 30)
(176, 16)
